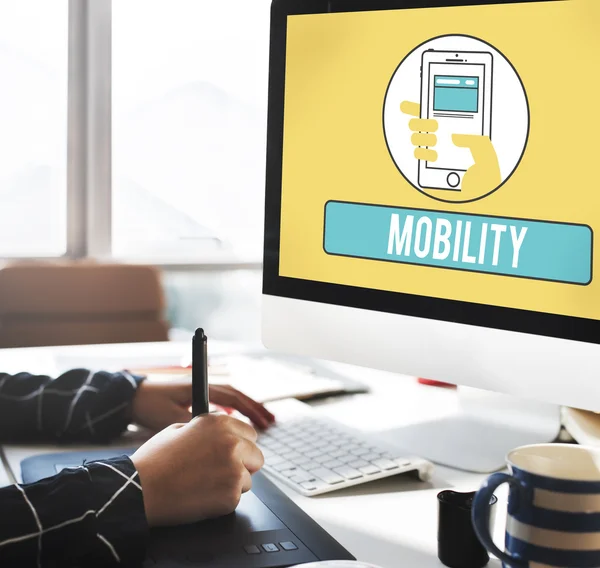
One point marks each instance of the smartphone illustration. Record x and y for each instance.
(456, 91)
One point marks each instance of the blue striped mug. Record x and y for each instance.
(553, 507)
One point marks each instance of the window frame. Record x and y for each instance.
(89, 150)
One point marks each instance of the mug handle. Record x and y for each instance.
(481, 515)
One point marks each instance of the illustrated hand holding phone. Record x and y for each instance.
(483, 176)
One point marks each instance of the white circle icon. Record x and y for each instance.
(456, 118)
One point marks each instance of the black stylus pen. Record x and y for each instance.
(199, 374)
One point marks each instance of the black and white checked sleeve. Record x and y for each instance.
(80, 405)
(88, 517)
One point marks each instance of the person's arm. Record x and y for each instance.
(91, 516)
(79, 405)
(98, 516)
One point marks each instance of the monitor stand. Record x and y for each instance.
(478, 438)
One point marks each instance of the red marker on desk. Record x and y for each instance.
(431, 383)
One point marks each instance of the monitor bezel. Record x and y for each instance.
(481, 315)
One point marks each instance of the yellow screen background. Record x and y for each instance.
(337, 72)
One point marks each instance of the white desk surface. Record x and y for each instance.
(4, 478)
(391, 523)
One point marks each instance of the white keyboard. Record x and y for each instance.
(315, 455)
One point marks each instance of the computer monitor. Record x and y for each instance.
(432, 196)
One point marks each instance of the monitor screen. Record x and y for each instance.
(439, 162)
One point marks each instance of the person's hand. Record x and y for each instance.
(484, 175)
(228, 397)
(481, 178)
(157, 405)
(423, 129)
(195, 471)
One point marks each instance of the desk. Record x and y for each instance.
(4, 475)
(391, 523)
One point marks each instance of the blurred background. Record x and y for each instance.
(133, 132)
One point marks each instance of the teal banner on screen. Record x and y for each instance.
(539, 250)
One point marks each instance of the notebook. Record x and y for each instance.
(267, 378)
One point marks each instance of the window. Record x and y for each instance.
(33, 127)
(189, 102)
(133, 129)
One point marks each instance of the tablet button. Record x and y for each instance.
(270, 548)
(453, 179)
(252, 549)
(289, 545)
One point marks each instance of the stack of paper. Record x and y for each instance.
(264, 379)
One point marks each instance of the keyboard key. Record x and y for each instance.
(276, 447)
(369, 469)
(400, 460)
(385, 464)
(302, 460)
(283, 466)
(270, 547)
(359, 452)
(337, 454)
(313, 454)
(297, 444)
(328, 476)
(358, 463)
(274, 460)
(331, 437)
(348, 472)
(289, 545)
(333, 463)
(291, 456)
(302, 476)
(306, 437)
(322, 459)
(369, 457)
(309, 486)
(289, 472)
(311, 466)
(252, 549)
(347, 458)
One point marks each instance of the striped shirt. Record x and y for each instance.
(86, 517)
